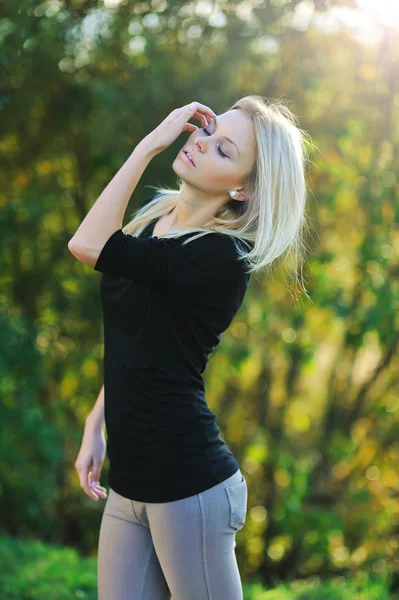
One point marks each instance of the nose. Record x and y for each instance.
(198, 144)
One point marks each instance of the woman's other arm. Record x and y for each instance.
(95, 419)
(92, 451)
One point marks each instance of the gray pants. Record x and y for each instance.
(184, 548)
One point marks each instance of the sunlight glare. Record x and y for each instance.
(385, 12)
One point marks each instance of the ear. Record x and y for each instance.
(241, 195)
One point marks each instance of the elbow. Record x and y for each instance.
(83, 254)
(76, 250)
(72, 247)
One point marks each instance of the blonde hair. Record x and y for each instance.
(273, 220)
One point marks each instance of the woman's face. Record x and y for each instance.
(220, 165)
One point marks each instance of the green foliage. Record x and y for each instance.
(31, 449)
(361, 586)
(31, 569)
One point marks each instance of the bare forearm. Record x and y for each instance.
(95, 418)
(106, 214)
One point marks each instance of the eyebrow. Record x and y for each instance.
(226, 138)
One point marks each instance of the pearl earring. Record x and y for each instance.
(233, 193)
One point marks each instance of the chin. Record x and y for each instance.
(179, 169)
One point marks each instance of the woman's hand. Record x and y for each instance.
(90, 460)
(174, 124)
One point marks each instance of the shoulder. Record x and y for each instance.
(222, 244)
(214, 241)
(217, 246)
(216, 252)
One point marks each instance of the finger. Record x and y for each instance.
(98, 488)
(93, 495)
(190, 127)
(100, 492)
(95, 486)
(96, 470)
(187, 112)
(201, 118)
(83, 475)
(203, 109)
(88, 487)
(190, 112)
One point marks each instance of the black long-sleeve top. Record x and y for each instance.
(165, 306)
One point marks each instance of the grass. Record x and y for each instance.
(362, 586)
(31, 569)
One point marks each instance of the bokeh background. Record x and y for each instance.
(306, 393)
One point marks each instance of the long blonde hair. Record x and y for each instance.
(273, 220)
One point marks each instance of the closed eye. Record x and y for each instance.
(218, 146)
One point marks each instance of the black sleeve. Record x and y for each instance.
(167, 261)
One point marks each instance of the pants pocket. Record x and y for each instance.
(237, 494)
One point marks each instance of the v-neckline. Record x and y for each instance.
(149, 228)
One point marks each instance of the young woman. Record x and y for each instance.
(172, 280)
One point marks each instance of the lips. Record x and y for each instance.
(185, 150)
